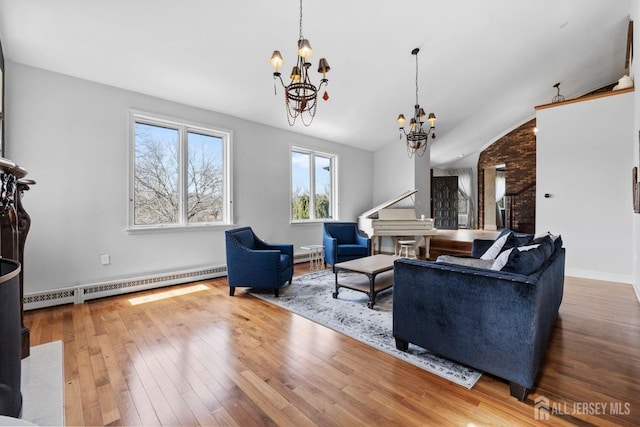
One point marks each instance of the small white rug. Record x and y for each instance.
(310, 296)
(42, 382)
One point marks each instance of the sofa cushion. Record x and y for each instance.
(527, 259)
(547, 245)
(467, 261)
(501, 260)
(495, 249)
(349, 250)
(518, 239)
(557, 241)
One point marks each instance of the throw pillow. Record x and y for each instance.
(547, 245)
(502, 259)
(529, 247)
(527, 261)
(495, 249)
(523, 238)
(517, 240)
(554, 241)
(557, 241)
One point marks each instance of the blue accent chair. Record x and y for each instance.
(251, 262)
(343, 242)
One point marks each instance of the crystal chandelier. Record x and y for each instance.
(417, 137)
(300, 95)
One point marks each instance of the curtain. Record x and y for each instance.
(501, 189)
(466, 190)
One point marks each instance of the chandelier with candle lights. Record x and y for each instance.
(417, 136)
(300, 95)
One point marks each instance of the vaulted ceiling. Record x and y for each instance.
(484, 65)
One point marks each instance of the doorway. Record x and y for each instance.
(494, 197)
(445, 202)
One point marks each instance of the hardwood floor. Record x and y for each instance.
(192, 355)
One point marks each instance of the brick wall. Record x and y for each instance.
(516, 150)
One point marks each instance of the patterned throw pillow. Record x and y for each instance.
(495, 249)
(502, 259)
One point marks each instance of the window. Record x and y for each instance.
(180, 175)
(313, 194)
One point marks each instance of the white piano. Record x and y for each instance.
(396, 223)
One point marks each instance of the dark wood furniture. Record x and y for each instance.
(14, 227)
(10, 365)
(370, 266)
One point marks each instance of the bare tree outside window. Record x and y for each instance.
(179, 176)
(205, 178)
(156, 175)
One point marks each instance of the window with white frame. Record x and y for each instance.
(180, 174)
(313, 185)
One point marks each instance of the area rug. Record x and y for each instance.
(310, 296)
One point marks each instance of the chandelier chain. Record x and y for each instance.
(300, 20)
(417, 136)
(416, 78)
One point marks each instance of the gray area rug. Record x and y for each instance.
(310, 296)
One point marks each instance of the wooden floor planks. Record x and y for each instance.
(205, 358)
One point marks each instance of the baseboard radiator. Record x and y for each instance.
(81, 293)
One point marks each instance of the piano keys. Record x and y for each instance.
(396, 223)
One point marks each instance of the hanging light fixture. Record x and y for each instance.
(558, 97)
(300, 95)
(417, 137)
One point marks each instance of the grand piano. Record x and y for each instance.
(383, 220)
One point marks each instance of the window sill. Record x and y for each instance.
(176, 228)
(312, 221)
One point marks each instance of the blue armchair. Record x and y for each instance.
(343, 242)
(251, 262)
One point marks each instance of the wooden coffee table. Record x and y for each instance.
(371, 267)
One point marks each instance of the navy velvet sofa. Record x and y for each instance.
(251, 262)
(498, 322)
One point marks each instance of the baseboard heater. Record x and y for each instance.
(81, 293)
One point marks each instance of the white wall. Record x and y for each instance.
(393, 172)
(422, 183)
(584, 160)
(72, 137)
(635, 72)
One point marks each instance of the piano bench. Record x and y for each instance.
(407, 245)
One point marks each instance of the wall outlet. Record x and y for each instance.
(105, 260)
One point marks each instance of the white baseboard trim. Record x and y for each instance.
(81, 293)
(636, 288)
(599, 275)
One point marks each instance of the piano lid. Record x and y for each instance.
(371, 212)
